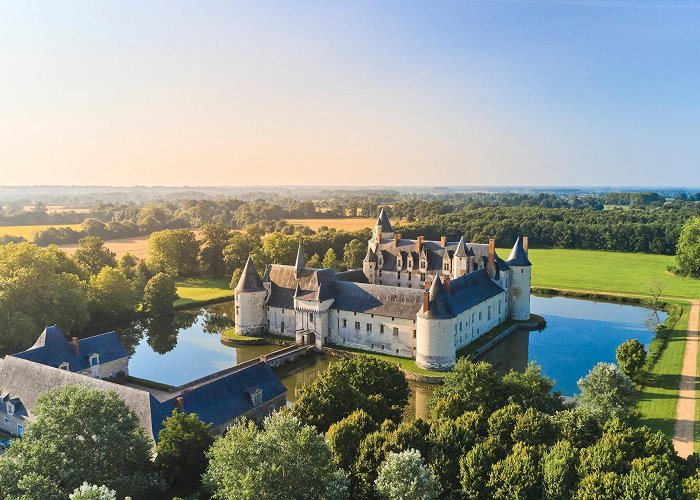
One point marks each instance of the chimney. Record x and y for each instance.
(492, 258)
(426, 301)
(76, 345)
(180, 401)
(397, 237)
(419, 243)
(443, 241)
(525, 243)
(446, 283)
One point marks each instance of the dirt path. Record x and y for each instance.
(683, 435)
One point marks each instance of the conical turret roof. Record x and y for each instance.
(518, 255)
(371, 256)
(250, 281)
(461, 248)
(299, 265)
(439, 305)
(383, 220)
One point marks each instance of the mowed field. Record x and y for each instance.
(136, 246)
(610, 272)
(344, 223)
(27, 232)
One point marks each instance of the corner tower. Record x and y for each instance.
(520, 280)
(383, 229)
(250, 301)
(435, 348)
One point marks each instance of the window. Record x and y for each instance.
(422, 264)
(460, 326)
(398, 275)
(95, 358)
(369, 327)
(409, 276)
(10, 408)
(447, 267)
(345, 323)
(397, 351)
(488, 314)
(414, 334)
(7, 421)
(479, 315)
(256, 397)
(422, 276)
(380, 273)
(381, 328)
(237, 310)
(499, 307)
(396, 331)
(311, 317)
(64, 366)
(357, 325)
(382, 346)
(282, 327)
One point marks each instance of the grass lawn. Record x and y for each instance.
(193, 290)
(657, 400)
(612, 272)
(405, 364)
(230, 333)
(27, 232)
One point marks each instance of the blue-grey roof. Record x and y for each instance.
(223, 399)
(383, 220)
(52, 349)
(465, 292)
(439, 306)
(377, 299)
(249, 281)
(518, 256)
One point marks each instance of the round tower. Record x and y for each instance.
(435, 348)
(250, 302)
(369, 265)
(519, 281)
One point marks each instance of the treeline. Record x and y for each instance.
(646, 231)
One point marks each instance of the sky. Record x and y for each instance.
(460, 92)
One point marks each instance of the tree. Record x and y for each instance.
(330, 261)
(606, 393)
(182, 446)
(404, 476)
(79, 435)
(93, 255)
(36, 290)
(353, 254)
(448, 441)
(160, 294)
(90, 492)
(631, 357)
(473, 386)
(517, 476)
(688, 249)
(475, 467)
(173, 251)
(216, 238)
(530, 389)
(559, 471)
(361, 382)
(601, 486)
(344, 437)
(285, 459)
(314, 262)
(238, 248)
(111, 295)
(279, 248)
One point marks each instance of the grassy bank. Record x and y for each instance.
(230, 333)
(658, 398)
(193, 291)
(607, 272)
(405, 364)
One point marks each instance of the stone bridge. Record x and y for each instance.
(286, 354)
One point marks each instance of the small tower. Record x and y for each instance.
(519, 278)
(250, 301)
(435, 348)
(460, 260)
(299, 265)
(383, 229)
(369, 265)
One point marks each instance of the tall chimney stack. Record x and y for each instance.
(76, 345)
(180, 401)
(426, 300)
(443, 241)
(446, 284)
(525, 243)
(397, 237)
(492, 258)
(419, 244)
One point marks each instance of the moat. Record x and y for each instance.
(579, 333)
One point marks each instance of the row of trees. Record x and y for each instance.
(489, 437)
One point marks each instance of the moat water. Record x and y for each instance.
(579, 333)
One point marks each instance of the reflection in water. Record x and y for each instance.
(509, 354)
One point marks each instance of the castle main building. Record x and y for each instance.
(413, 298)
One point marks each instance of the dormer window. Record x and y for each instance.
(256, 397)
(64, 366)
(10, 408)
(94, 360)
(422, 264)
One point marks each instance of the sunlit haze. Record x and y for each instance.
(355, 93)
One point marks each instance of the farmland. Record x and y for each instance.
(136, 246)
(27, 232)
(343, 223)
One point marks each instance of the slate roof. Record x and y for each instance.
(432, 250)
(249, 281)
(370, 257)
(377, 299)
(52, 349)
(383, 220)
(518, 255)
(439, 304)
(466, 292)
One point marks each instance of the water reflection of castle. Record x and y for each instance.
(510, 354)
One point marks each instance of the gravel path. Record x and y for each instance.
(683, 436)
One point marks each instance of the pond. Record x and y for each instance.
(579, 334)
(183, 347)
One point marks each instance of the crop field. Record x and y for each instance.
(27, 232)
(608, 272)
(136, 246)
(344, 223)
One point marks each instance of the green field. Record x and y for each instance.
(608, 272)
(195, 290)
(657, 400)
(27, 232)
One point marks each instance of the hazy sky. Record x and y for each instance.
(557, 92)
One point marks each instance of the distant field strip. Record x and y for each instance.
(347, 223)
(27, 232)
(607, 272)
(137, 246)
